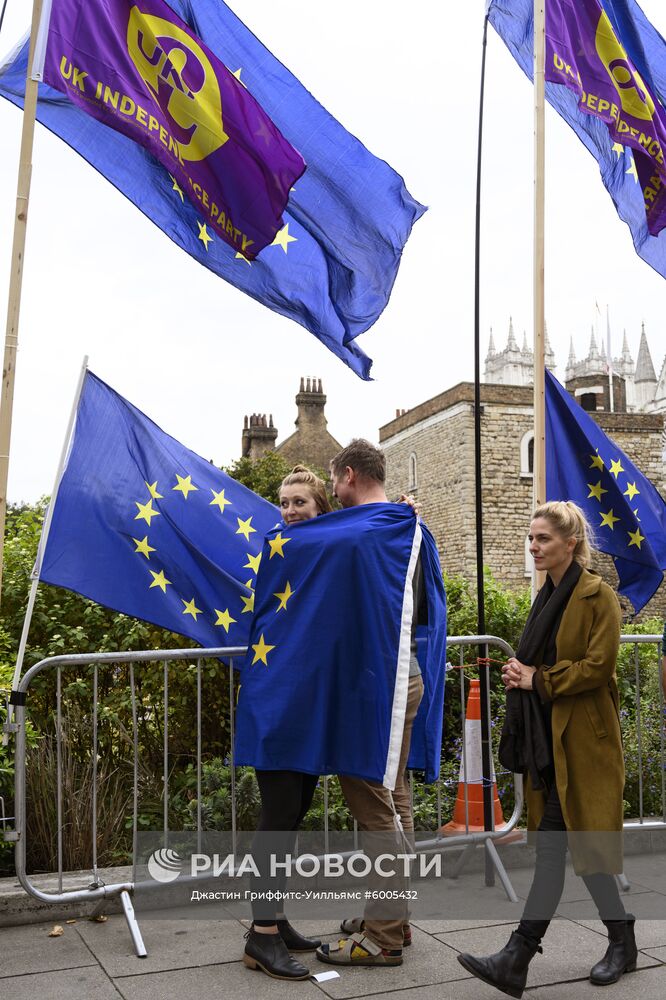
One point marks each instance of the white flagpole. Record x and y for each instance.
(539, 263)
(45, 533)
(16, 274)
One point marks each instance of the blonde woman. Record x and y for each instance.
(286, 796)
(563, 730)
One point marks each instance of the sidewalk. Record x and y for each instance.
(201, 959)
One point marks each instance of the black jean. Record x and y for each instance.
(286, 796)
(548, 882)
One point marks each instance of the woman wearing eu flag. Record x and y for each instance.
(562, 728)
(286, 796)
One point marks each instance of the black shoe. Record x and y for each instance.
(295, 941)
(507, 969)
(621, 953)
(269, 953)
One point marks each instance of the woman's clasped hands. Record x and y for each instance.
(517, 675)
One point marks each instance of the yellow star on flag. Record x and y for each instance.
(237, 74)
(146, 512)
(636, 538)
(184, 485)
(224, 619)
(608, 520)
(204, 235)
(636, 515)
(159, 580)
(248, 602)
(241, 256)
(261, 650)
(597, 461)
(596, 491)
(631, 491)
(143, 547)
(616, 467)
(283, 239)
(245, 527)
(632, 171)
(191, 608)
(252, 562)
(152, 489)
(284, 597)
(277, 545)
(176, 188)
(618, 148)
(219, 500)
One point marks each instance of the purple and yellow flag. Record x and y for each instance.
(138, 68)
(586, 54)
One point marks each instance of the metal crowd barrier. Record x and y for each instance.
(97, 892)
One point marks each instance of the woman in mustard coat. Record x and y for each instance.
(563, 729)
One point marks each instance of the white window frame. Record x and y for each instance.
(413, 472)
(525, 454)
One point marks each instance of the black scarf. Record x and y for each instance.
(525, 744)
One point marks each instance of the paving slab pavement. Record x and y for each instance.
(75, 984)
(202, 958)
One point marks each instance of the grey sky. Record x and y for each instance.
(196, 354)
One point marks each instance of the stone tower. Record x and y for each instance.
(311, 442)
(258, 436)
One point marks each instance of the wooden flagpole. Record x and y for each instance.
(539, 262)
(16, 276)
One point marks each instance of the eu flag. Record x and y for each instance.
(146, 527)
(332, 266)
(324, 685)
(627, 513)
(627, 89)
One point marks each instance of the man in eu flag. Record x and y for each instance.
(358, 474)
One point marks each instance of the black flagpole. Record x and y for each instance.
(486, 748)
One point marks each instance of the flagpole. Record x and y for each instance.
(46, 527)
(539, 262)
(484, 679)
(609, 358)
(16, 275)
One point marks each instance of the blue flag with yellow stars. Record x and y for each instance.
(632, 57)
(142, 525)
(627, 513)
(332, 265)
(324, 684)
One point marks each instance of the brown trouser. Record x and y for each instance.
(372, 806)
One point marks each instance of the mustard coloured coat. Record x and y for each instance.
(587, 745)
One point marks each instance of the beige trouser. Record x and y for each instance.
(372, 806)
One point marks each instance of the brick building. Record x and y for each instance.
(430, 452)
(310, 444)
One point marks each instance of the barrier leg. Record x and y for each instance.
(501, 870)
(133, 927)
(468, 850)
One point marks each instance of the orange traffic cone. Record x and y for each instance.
(473, 780)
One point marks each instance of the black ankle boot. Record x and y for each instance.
(621, 953)
(295, 941)
(507, 969)
(269, 952)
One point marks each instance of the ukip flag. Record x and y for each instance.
(135, 66)
(144, 526)
(606, 76)
(332, 265)
(324, 684)
(627, 513)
